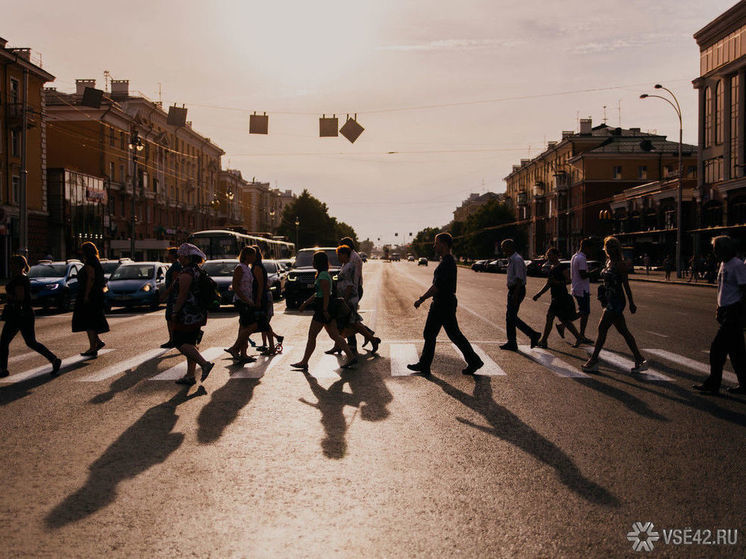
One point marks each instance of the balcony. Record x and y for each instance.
(14, 116)
(538, 190)
(522, 198)
(561, 181)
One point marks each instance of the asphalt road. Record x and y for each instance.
(532, 460)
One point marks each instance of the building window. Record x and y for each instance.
(14, 95)
(719, 112)
(642, 172)
(15, 144)
(734, 132)
(112, 138)
(122, 144)
(691, 172)
(714, 170)
(617, 171)
(111, 171)
(15, 191)
(121, 173)
(708, 117)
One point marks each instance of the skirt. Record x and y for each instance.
(89, 316)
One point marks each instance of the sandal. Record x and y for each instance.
(299, 365)
(185, 380)
(374, 345)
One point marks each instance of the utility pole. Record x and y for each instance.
(135, 146)
(23, 202)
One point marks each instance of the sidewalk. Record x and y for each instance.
(656, 276)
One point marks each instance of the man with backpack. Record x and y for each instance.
(195, 295)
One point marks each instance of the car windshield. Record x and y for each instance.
(220, 268)
(133, 271)
(304, 259)
(47, 271)
(109, 267)
(271, 267)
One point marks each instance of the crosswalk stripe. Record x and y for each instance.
(179, 370)
(47, 368)
(21, 356)
(262, 365)
(400, 356)
(326, 366)
(690, 363)
(551, 362)
(124, 366)
(490, 368)
(620, 362)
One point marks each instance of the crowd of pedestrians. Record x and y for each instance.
(189, 293)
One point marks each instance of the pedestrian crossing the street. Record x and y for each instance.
(400, 354)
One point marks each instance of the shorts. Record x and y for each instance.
(188, 337)
(584, 303)
(318, 312)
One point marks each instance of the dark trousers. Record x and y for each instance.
(24, 324)
(443, 315)
(728, 342)
(511, 314)
(352, 339)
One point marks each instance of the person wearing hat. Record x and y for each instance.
(19, 316)
(188, 314)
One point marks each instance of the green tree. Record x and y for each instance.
(422, 245)
(316, 226)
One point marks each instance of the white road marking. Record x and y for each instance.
(402, 355)
(548, 360)
(22, 356)
(47, 368)
(261, 366)
(656, 334)
(490, 368)
(124, 366)
(179, 370)
(620, 362)
(690, 363)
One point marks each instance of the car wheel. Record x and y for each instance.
(155, 305)
(291, 304)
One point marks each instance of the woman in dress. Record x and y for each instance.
(89, 315)
(322, 318)
(616, 284)
(347, 288)
(189, 314)
(562, 305)
(243, 297)
(19, 316)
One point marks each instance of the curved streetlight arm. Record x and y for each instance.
(667, 100)
(674, 97)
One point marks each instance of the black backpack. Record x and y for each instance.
(208, 296)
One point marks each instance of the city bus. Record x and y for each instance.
(217, 244)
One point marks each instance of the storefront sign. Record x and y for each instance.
(95, 195)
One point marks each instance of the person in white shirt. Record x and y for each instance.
(730, 314)
(516, 294)
(581, 289)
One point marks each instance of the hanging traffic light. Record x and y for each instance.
(351, 129)
(258, 124)
(328, 126)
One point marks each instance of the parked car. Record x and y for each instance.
(422, 261)
(410, 258)
(480, 265)
(221, 271)
(276, 277)
(110, 265)
(135, 284)
(300, 280)
(54, 284)
(495, 266)
(537, 268)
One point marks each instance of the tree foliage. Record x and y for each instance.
(317, 227)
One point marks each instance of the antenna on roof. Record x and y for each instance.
(107, 77)
(605, 119)
(577, 121)
(619, 108)
(160, 96)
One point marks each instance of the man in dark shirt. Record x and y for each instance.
(443, 311)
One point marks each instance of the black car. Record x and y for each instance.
(276, 277)
(537, 267)
(480, 266)
(422, 261)
(300, 281)
(222, 272)
(54, 284)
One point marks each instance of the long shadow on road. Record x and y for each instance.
(508, 427)
(149, 441)
(223, 408)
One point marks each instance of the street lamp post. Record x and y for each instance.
(679, 202)
(135, 145)
(297, 228)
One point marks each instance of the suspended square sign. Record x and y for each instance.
(328, 126)
(177, 116)
(92, 97)
(258, 124)
(351, 130)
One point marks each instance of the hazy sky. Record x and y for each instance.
(388, 61)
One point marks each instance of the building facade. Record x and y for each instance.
(561, 194)
(721, 186)
(472, 204)
(178, 169)
(22, 81)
